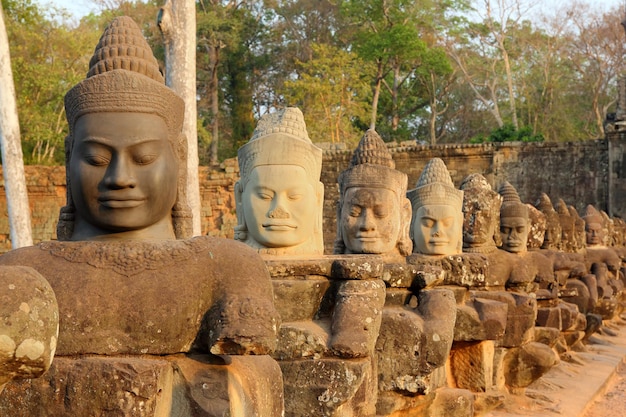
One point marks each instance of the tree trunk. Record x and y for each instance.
(12, 161)
(379, 82)
(177, 21)
(214, 59)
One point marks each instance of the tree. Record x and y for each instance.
(398, 37)
(177, 21)
(12, 162)
(333, 93)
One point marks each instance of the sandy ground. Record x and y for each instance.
(584, 384)
(612, 402)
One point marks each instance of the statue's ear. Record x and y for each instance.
(240, 229)
(405, 239)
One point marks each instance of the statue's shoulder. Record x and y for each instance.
(25, 256)
(227, 253)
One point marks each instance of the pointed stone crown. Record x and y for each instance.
(544, 204)
(475, 187)
(281, 138)
(124, 76)
(561, 208)
(592, 215)
(373, 167)
(435, 187)
(512, 205)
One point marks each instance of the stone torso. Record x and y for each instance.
(137, 297)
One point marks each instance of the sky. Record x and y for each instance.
(80, 8)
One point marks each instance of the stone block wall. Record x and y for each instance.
(577, 172)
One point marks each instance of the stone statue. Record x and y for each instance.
(481, 215)
(279, 196)
(373, 213)
(437, 223)
(124, 284)
(537, 227)
(531, 268)
(568, 243)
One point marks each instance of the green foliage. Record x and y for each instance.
(332, 92)
(421, 69)
(508, 133)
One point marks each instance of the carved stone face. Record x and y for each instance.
(514, 233)
(437, 230)
(123, 173)
(478, 225)
(552, 236)
(370, 220)
(594, 234)
(280, 205)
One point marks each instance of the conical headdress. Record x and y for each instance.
(373, 166)
(281, 138)
(512, 205)
(592, 215)
(435, 187)
(124, 76)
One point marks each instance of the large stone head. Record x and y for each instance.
(279, 195)
(514, 223)
(437, 221)
(593, 226)
(373, 214)
(481, 215)
(552, 237)
(125, 153)
(537, 227)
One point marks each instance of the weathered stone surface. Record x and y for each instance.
(327, 387)
(357, 267)
(226, 386)
(299, 299)
(480, 319)
(414, 342)
(302, 339)
(549, 317)
(133, 387)
(521, 316)
(402, 275)
(29, 324)
(581, 297)
(450, 402)
(194, 386)
(299, 267)
(466, 270)
(133, 297)
(471, 365)
(356, 318)
(547, 335)
(527, 363)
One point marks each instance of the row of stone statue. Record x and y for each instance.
(418, 310)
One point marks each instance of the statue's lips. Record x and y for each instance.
(121, 202)
(367, 238)
(438, 242)
(279, 227)
(514, 243)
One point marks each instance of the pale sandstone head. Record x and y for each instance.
(437, 222)
(279, 195)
